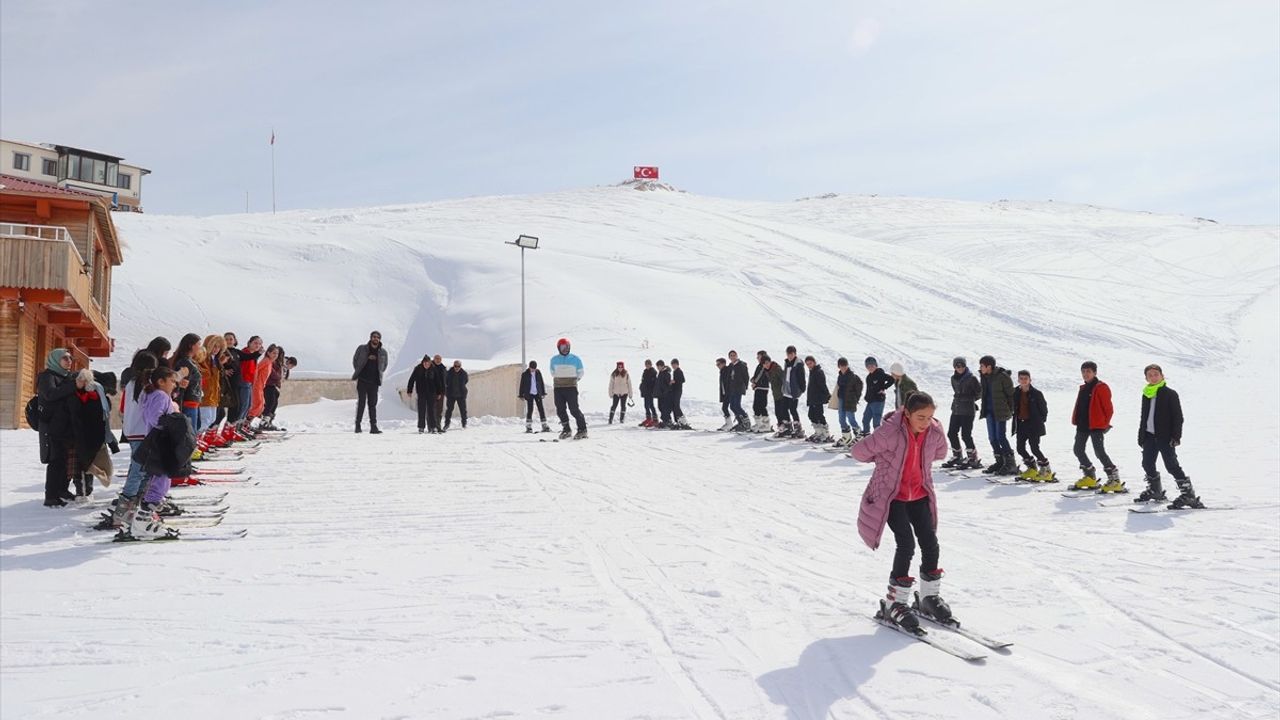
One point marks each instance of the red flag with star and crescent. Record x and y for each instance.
(645, 172)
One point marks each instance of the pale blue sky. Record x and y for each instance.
(1165, 106)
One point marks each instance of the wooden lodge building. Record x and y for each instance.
(57, 249)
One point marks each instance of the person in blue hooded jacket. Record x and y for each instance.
(566, 371)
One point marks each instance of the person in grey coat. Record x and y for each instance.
(369, 362)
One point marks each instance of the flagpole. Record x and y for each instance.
(273, 171)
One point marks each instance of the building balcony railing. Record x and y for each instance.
(43, 257)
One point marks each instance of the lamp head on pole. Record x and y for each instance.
(525, 242)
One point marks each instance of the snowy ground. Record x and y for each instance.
(677, 575)
(635, 575)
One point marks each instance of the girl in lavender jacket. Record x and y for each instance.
(900, 494)
(157, 401)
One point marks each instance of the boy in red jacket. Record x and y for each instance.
(1092, 418)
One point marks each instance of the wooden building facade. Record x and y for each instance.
(57, 250)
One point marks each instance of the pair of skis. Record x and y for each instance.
(944, 635)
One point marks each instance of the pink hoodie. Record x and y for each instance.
(887, 447)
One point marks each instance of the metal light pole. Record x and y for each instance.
(524, 242)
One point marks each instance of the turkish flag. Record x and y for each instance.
(645, 172)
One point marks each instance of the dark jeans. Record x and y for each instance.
(439, 410)
(735, 405)
(1152, 447)
(619, 401)
(791, 409)
(271, 400)
(1023, 439)
(427, 417)
(55, 473)
(903, 518)
(461, 404)
(961, 426)
(872, 415)
(529, 402)
(566, 405)
(366, 394)
(817, 414)
(245, 395)
(674, 401)
(780, 413)
(1099, 447)
(998, 436)
(664, 408)
(650, 410)
(760, 404)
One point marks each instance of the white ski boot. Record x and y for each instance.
(928, 601)
(896, 605)
(729, 422)
(147, 525)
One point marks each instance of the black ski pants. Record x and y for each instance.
(904, 518)
(1026, 438)
(566, 405)
(650, 410)
(674, 400)
(619, 401)
(55, 473)
(1099, 447)
(961, 427)
(760, 403)
(780, 410)
(792, 410)
(664, 408)
(1151, 447)
(366, 394)
(461, 404)
(817, 414)
(427, 412)
(529, 402)
(271, 400)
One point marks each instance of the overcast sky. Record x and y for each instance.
(1165, 105)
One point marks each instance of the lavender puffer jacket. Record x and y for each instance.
(887, 448)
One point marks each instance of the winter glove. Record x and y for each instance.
(1175, 442)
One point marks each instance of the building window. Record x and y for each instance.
(124, 207)
(21, 161)
(92, 170)
(49, 167)
(124, 181)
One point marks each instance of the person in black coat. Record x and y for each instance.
(677, 392)
(817, 395)
(441, 386)
(722, 369)
(760, 385)
(1160, 433)
(423, 380)
(966, 389)
(848, 395)
(662, 389)
(876, 383)
(55, 387)
(1030, 413)
(648, 379)
(532, 389)
(455, 389)
(736, 387)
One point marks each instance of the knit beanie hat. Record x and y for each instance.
(896, 369)
(959, 361)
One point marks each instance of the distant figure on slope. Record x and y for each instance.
(848, 393)
(369, 362)
(455, 390)
(648, 380)
(422, 379)
(677, 392)
(619, 391)
(817, 395)
(760, 400)
(1160, 433)
(566, 371)
(877, 382)
(997, 408)
(1092, 418)
(662, 388)
(722, 371)
(441, 384)
(965, 390)
(532, 390)
(777, 381)
(739, 379)
(793, 386)
(1030, 416)
(903, 385)
(900, 494)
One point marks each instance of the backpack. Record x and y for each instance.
(33, 412)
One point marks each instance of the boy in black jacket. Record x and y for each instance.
(877, 382)
(677, 391)
(662, 388)
(760, 384)
(1159, 433)
(648, 379)
(532, 389)
(816, 397)
(1030, 413)
(848, 393)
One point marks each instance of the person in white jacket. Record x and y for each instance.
(620, 390)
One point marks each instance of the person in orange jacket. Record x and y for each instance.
(1092, 418)
(262, 373)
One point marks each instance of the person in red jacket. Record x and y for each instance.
(900, 494)
(1092, 418)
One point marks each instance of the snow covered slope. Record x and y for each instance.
(485, 574)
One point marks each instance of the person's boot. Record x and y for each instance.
(622, 416)
(928, 601)
(1187, 497)
(1088, 479)
(545, 426)
(610, 417)
(995, 466)
(1154, 491)
(373, 429)
(728, 423)
(1113, 484)
(147, 525)
(972, 461)
(528, 427)
(1046, 473)
(1031, 472)
(78, 482)
(565, 432)
(957, 459)
(88, 485)
(1010, 466)
(896, 605)
(581, 434)
(358, 430)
